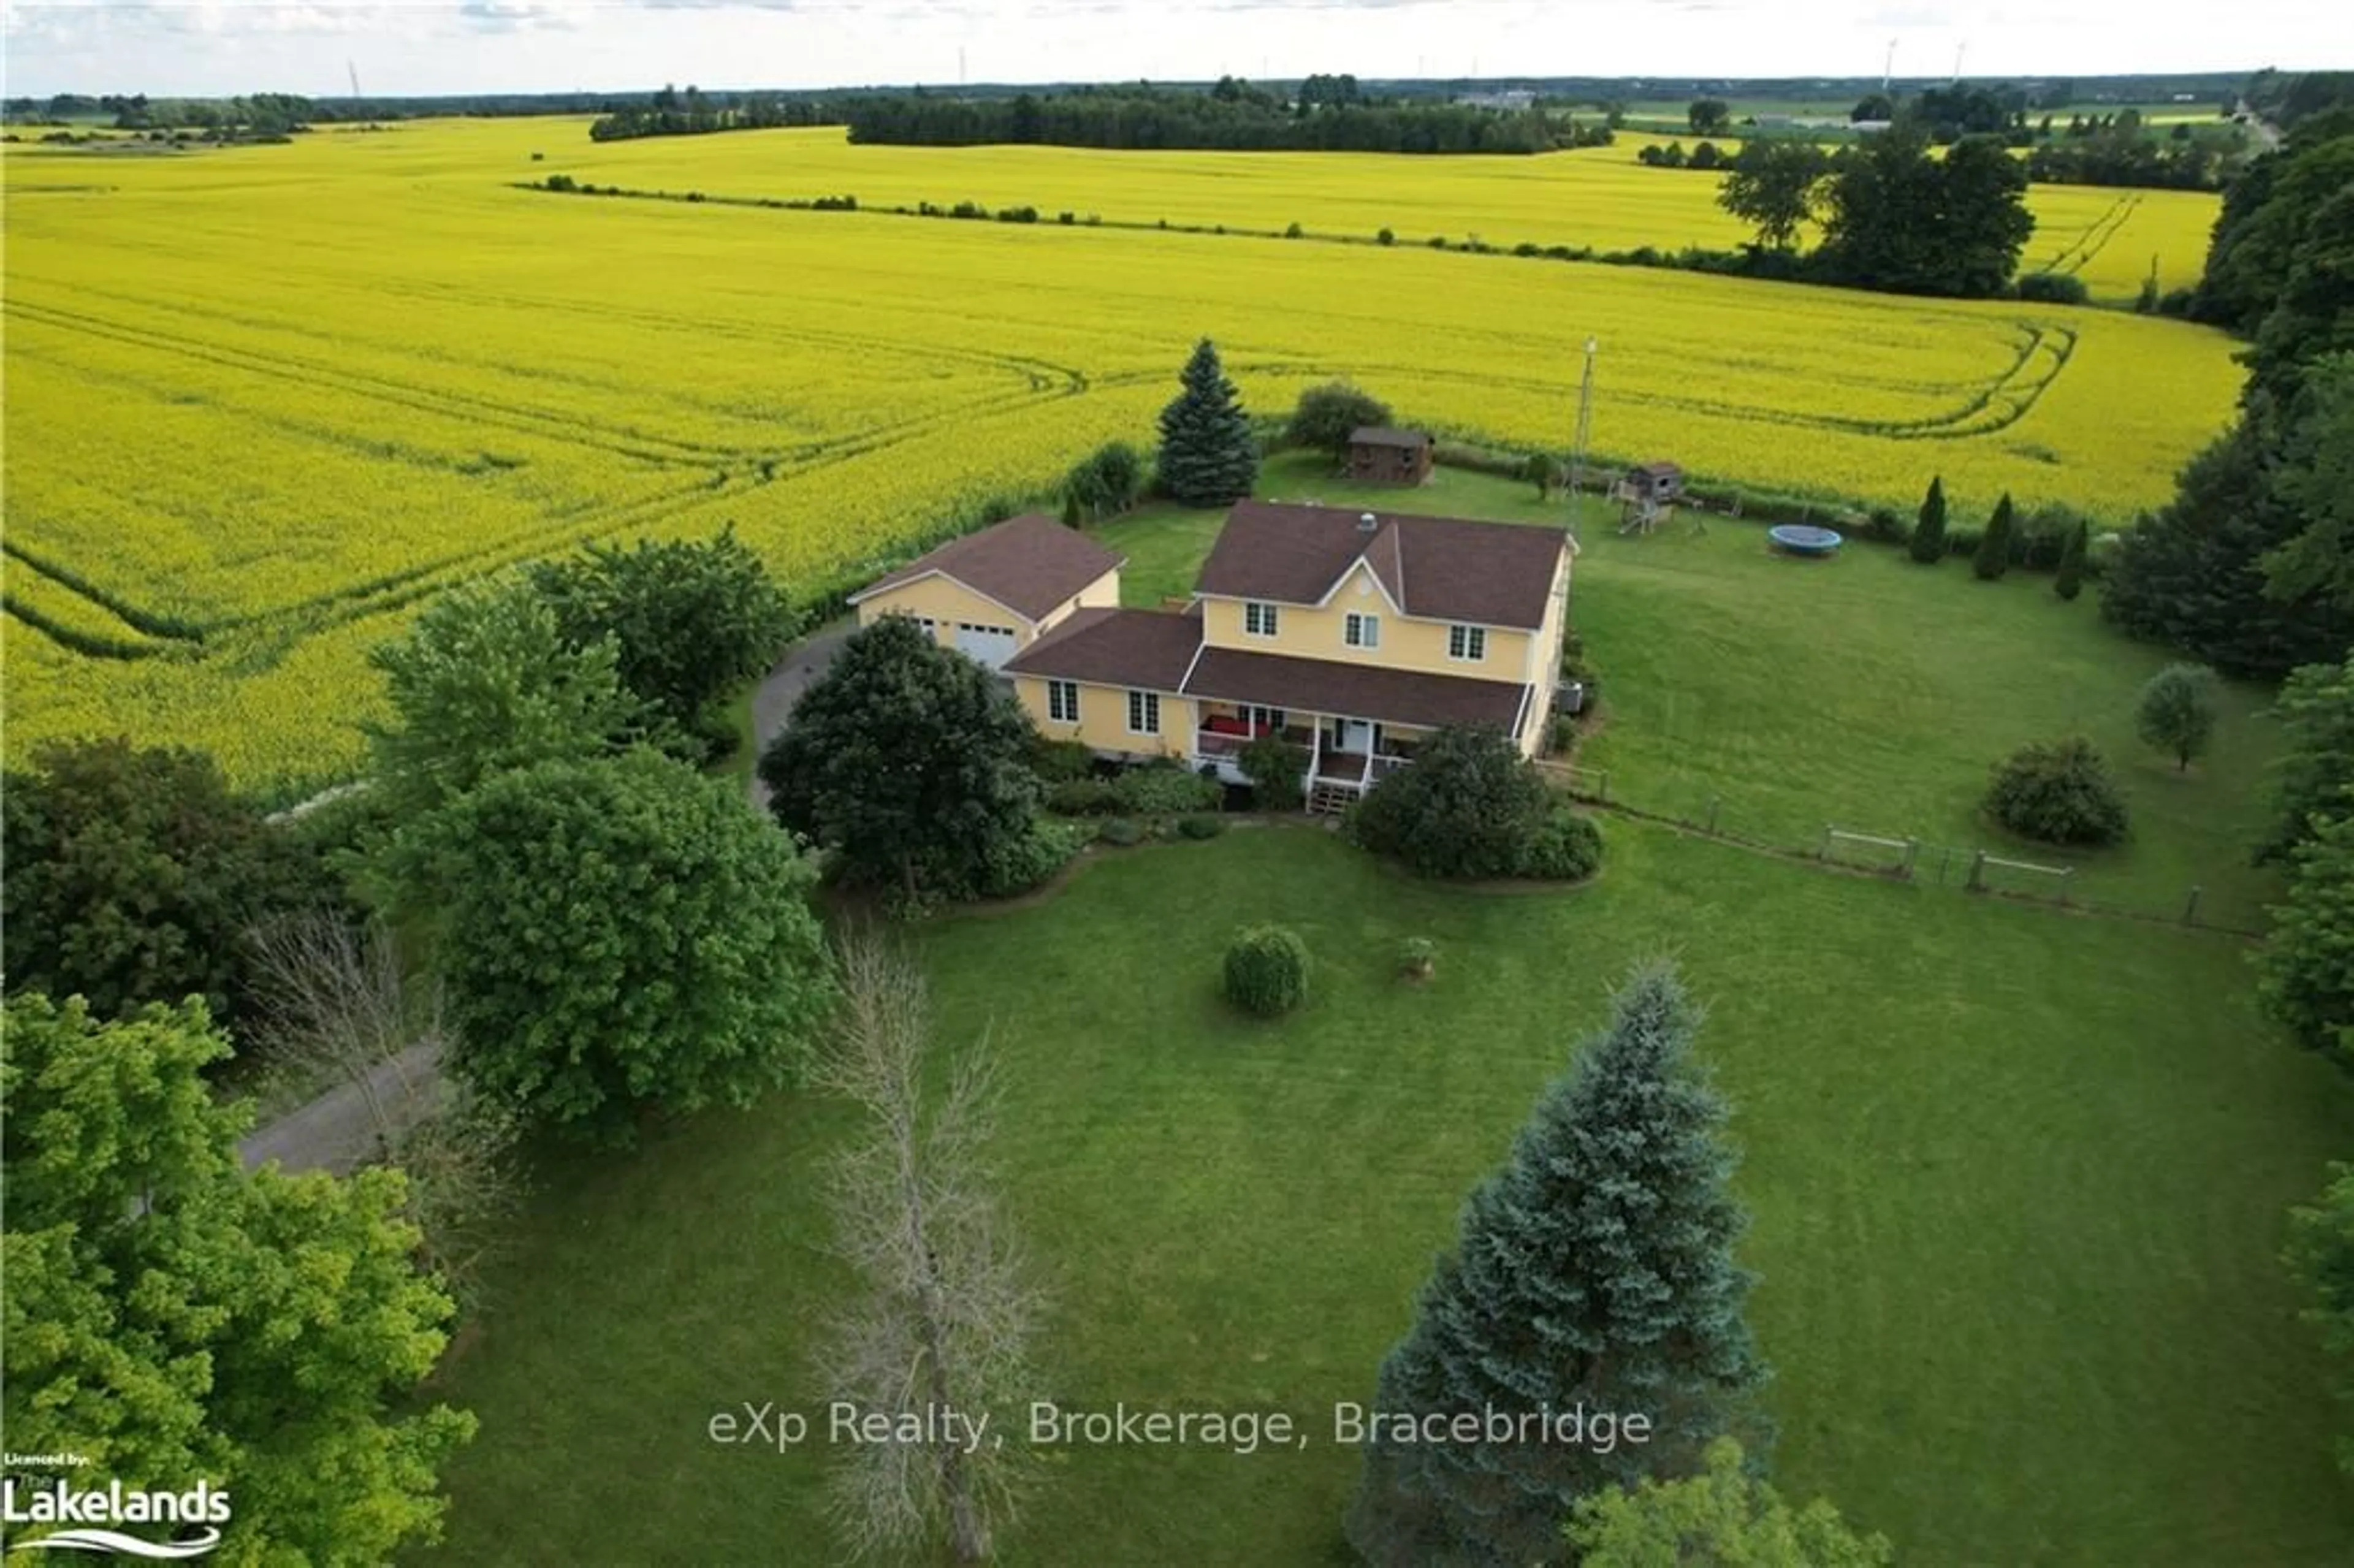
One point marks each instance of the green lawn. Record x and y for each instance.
(2018, 1182)
(1866, 690)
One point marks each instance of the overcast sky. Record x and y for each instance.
(218, 46)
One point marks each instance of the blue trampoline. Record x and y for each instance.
(1798, 539)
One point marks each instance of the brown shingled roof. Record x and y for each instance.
(1442, 569)
(1145, 647)
(1029, 564)
(1353, 691)
(1382, 436)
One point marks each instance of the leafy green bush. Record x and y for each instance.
(1277, 771)
(1061, 761)
(1200, 827)
(1467, 808)
(1081, 798)
(1567, 847)
(2058, 792)
(1021, 864)
(2053, 288)
(1327, 415)
(1158, 790)
(1267, 970)
(1118, 831)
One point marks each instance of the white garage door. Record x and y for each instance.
(992, 645)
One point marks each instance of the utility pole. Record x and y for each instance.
(1888, 67)
(1585, 428)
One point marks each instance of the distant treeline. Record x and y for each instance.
(1329, 115)
(695, 113)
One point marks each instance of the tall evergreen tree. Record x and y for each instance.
(1928, 544)
(1594, 1271)
(1993, 558)
(1207, 455)
(2071, 580)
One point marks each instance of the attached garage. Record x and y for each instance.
(992, 645)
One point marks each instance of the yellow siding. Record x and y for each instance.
(1101, 594)
(1103, 720)
(945, 602)
(1406, 643)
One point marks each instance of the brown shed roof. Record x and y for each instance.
(1029, 564)
(1384, 436)
(1145, 647)
(1353, 691)
(1443, 568)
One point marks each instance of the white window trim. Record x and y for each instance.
(1268, 615)
(1362, 630)
(1149, 705)
(1475, 643)
(1054, 692)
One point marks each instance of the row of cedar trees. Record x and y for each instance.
(1991, 557)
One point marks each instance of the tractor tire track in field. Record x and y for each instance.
(2091, 238)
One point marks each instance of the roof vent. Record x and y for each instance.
(1366, 522)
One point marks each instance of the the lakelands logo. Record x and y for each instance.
(198, 1512)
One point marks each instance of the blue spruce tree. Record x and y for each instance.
(1595, 1269)
(1208, 457)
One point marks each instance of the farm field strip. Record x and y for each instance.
(279, 437)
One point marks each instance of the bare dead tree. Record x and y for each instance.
(944, 1311)
(337, 999)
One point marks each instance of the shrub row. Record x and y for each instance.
(1148, 792)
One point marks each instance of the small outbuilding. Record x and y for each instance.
(1378, 455)
(1652, 482)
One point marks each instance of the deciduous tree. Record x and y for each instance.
(2177, 713)
(690, 621)
(2315, 770)
(486, 681)
(1594, 1273)
(1469, 806)
(614, 935)
(177, 1319)
(2321, 1255)
(131, 874)
(2305, 972)
(1722, 1516)
(1208, 456)
(1773, 186)
(1327, 415)
(908, 763)
(1708, 116)
(944, 1309)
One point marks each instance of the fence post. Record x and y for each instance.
(1945, 864)
(2190, 909)
(1716, 805)
(1823, 852)
(1912, 853)
(1976, 883)
(2067, 881)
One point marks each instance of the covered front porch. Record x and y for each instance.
(1346, 755)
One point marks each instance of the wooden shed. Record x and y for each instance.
(1378, 455)
(1657, 483)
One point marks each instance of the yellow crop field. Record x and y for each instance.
(1598, 198)
(262, 401)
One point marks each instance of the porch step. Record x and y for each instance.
(1330, 799)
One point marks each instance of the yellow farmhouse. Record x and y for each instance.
(1352, 634)
(994, 593)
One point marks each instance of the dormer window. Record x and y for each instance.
(1362, 630)
(1258, 619)
(1469, 643)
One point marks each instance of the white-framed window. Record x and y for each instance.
(1467, 643)
(1362, 630)
(1258, 619)
(1063, 701)
(1144, 713)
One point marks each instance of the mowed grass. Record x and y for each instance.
(2018, 1183)
(1779, 696)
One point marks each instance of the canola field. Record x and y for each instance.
(1598, 198)
(262, 402)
